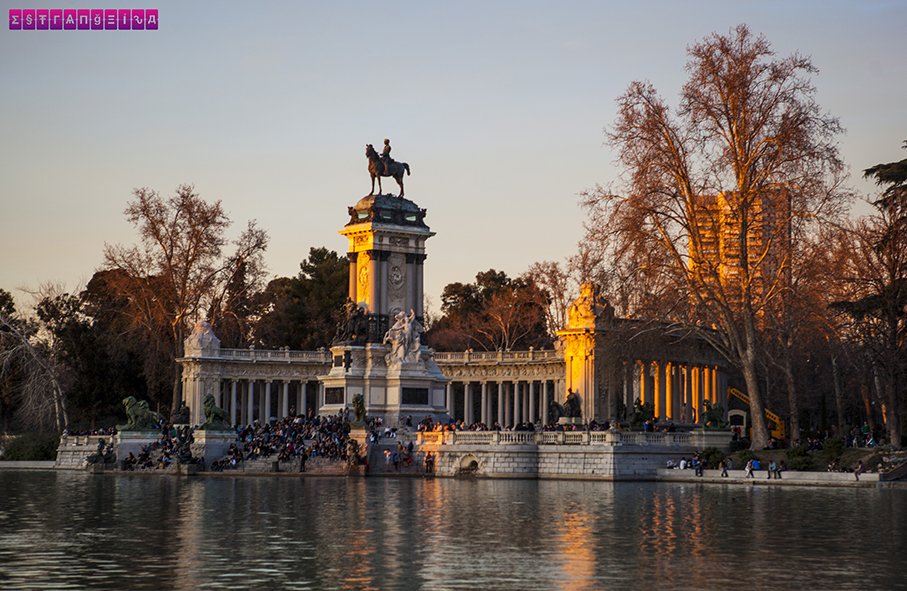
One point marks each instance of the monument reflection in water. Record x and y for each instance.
(130, 532)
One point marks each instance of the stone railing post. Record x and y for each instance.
(587, 438)
(496, 438)
(560, 438)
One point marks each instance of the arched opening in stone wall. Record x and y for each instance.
(469, 465)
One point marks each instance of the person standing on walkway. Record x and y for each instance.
(858, 469)
(749, 469)
(723, 465)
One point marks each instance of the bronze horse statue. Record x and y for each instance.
(376, 169)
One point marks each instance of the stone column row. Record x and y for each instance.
(504, 402)
(252, 400)
(676, 390)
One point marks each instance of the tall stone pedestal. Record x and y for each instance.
(133, 441)
(409, 388)
(379, 353)
(211, 445)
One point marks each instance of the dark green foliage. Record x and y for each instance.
(33, 447)
(894, 175)
(302, 312)
(711, 457)
(7, 305)
(740, 444)
(799, 459)
(831, 452)
(745, 456)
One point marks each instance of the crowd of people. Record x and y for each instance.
(287, 439)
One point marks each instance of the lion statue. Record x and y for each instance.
(359, 409)
(138, 416)
(215, 417)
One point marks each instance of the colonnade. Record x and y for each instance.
(506, 402)
(677, 390)
(247, 400)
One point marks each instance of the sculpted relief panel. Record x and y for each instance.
(396, 282)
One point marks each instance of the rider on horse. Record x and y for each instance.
(386, 156)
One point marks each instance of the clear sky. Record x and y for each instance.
(498, 107)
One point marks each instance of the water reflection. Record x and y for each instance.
(67, 531)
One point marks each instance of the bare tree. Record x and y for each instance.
(560, 287)
(179, 269)
(39, 393)
(720, 190)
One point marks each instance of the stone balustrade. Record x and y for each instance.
(696, 439)
(499, 356)
(322, 356)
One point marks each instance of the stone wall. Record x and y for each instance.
(554, 461)
(73, 451)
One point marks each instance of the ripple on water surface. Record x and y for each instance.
(75, 531)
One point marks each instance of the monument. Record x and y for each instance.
(378, 352)
(142, 428)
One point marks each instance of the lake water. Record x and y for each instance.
(77, 531)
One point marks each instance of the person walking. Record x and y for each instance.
(749, 469)
(723, 465)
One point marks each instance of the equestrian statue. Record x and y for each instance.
(384, 165)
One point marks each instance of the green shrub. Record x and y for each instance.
(740, 444)
(831, 452)
(745, 456)
(799, 459)
(32, 447)
(711, 457)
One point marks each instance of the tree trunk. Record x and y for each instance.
(867, 405)
(759, 437)
(792, 403)
(839, 396)
(893, 416)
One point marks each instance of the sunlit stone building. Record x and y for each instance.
(608, 362)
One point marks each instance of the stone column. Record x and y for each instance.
(448, 399)
(352, 257)
(419, 268)
(250, 399)
(303, 398)
(285, 403)
(643, 387)
(467, 404)
(373, 282)
(668, 408)
(532, 406)
(658, 386)
(508, 407)
(411, 282)
(233, 402)
(545, 392)
(688, 392)
(697, 395)
(716, 392)
(383, 273)
(266, 404)
(517, 407)
(485, 412)
(500, 402)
